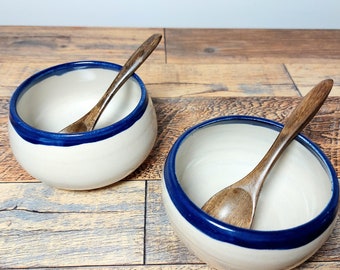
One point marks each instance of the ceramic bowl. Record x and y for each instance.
(55, 97)
(297, 207)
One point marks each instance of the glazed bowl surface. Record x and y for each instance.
(297, 208)
(53, 98)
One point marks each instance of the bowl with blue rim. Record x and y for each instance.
(297, 208)
(55, 97)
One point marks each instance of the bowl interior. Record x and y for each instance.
(60, 99)
(297, 189)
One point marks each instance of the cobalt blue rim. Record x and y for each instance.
(281, 239)
(37, 136)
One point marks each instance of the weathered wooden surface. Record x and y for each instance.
(229, 62)
(41, 226)
(192, 76)
(261, 46)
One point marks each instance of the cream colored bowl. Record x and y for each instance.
(53, 98)
(297, 208)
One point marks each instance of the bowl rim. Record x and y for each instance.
(278, 239)
(37, 136)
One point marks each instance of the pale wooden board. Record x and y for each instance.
(305, 76)
(55, 45)
(63, 44)
(210, 80)
(41, 226)
(170, 80)
(182, 45)
(105, 228)
(252, 45)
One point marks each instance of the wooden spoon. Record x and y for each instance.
(89, 120)
(236, 204)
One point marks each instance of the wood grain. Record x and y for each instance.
(41, 226)
(171, 80)
(305, 76)
(45, 227)
(179, 80)
(252, 45)
(207, 80)
(64, 44)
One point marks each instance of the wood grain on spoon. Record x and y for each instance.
(89, 120)
(236, 204)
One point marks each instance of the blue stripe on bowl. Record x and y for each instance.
(37, 136)
(281, 239)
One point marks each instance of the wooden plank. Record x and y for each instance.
(169, 80)
(252, 45)
(46, 227)
(305, 76)
(177, 114)
(187, 80)
(164, 247)
(63, 44)
(62, 228)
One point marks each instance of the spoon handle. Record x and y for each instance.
(295, 123)
(89, 120)
(131, 65)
